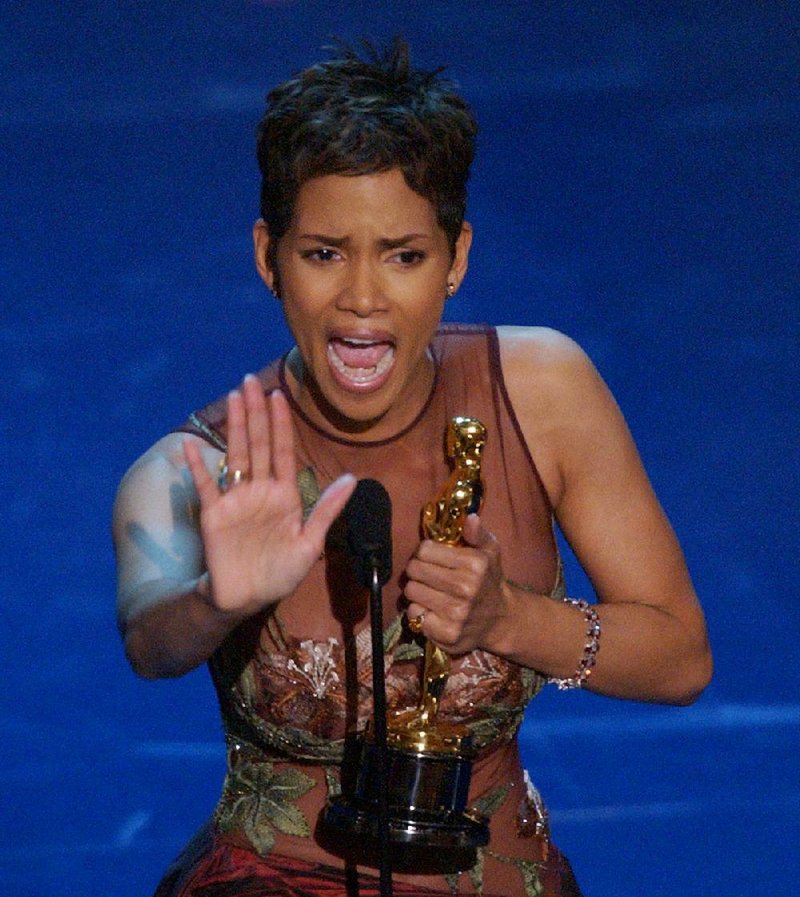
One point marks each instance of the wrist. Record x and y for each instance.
(225, 615)
(591, 646)
(509, 623)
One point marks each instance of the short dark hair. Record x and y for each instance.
(352, 115)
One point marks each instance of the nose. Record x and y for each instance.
(362, 292)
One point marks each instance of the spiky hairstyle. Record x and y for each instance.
(362, 114)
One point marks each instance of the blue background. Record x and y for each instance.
(636, 186)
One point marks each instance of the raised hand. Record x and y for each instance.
(257, 547)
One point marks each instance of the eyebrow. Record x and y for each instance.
(385, 243)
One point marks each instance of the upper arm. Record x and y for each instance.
(156, 527)
(601, 495)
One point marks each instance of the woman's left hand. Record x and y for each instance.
(459, 590)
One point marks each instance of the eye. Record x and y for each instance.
(408, 257)
(320, 254)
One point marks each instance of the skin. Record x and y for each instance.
(654, 645)
(365, 259)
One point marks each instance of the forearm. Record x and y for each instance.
(645, 653)
(170, 632)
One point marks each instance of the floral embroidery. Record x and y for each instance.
(257, 799)
(485, 805)
(484, 666)
(529, 869)
(319, 671)
(284, 699)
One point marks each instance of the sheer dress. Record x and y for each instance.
(295, 683)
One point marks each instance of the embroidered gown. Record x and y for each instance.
(295, 683)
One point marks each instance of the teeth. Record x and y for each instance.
(361, 375)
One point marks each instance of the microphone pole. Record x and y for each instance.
(369, 534)
(379, 719)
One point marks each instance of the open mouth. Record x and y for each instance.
(360, 362)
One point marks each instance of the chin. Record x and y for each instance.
(349, 412)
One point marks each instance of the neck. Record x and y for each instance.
(308, 397)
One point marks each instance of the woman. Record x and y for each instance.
(224, 530)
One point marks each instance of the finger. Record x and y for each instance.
(434, 576)
(204, 483)
(238, 454)
(415, 619)
(283, 459)
(475, 534)
(439, 622)
(440, 630)
(427, 598)
(258, 428)
(330, 504)
(440, 553)
(414, 609)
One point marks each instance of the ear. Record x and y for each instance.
(261, 248)
(458, 269)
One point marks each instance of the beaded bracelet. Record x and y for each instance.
(590, 649)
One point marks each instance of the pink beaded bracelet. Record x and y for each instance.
(590, 649)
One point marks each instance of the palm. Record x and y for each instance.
(257, 546)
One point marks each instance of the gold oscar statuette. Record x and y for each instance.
(443, 520)
(429, 760)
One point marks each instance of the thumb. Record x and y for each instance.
(475, 534)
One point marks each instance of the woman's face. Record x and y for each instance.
(363, 272)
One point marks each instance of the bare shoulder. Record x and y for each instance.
(557, 395)
(539, 351)
(548, 376)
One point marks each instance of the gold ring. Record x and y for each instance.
(227, 478)
(415, 623)
(235, 477)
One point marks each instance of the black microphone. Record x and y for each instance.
(368, 515)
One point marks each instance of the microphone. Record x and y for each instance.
(368, 516)
(368, 519)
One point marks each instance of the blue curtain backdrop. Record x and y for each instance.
(636, 186)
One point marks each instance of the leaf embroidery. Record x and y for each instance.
(490, 802)
(288, 819)
(499, 725)
(392, 634)
(258, 800)
(309, 490)
(247, 686)
(476, 872)
(408, 651)
(531, 878)
(452, 881)
(529, 869)
(486, 805)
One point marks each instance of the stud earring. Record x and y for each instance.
(451, 290)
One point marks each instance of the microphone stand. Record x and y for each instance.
(379, 720)
(368, 522)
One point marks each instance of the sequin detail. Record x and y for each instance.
(319, 671)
